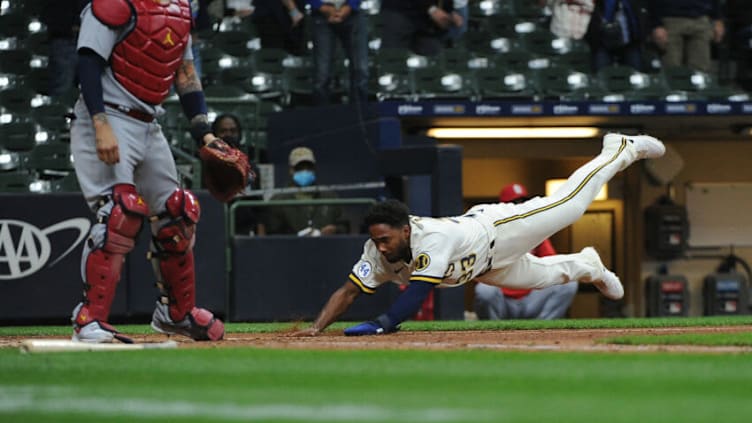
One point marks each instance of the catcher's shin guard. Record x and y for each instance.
(119, 220)
(173, 263)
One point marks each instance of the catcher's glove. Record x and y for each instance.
(226, 170)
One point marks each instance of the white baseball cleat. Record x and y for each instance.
(607, 282)
(647, 147)
(94, 333)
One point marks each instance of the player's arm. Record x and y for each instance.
(338, 303)
(90, 69)
(188, 87)
(406, 305)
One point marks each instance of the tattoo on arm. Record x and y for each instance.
(186, 80)
(99, 118)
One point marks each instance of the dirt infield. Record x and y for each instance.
(506, 340)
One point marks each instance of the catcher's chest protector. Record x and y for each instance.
(146, 60)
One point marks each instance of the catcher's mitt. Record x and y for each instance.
(226, 170)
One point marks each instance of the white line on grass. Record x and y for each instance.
(53, 400)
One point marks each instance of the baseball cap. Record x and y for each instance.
(301, 154)
(512, 192)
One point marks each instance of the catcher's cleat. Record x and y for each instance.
(200, 324)
(607, 282)
(94, 331)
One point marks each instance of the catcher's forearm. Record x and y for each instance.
(338, 303)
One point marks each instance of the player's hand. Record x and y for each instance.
(441, 18)
(369, 328)
(106, 142)
(306, 332)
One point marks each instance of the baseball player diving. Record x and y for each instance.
(131, 52)
(489, 244)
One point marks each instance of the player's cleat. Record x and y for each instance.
(200, 324)
(645, 146)
(95, 331)
(607, 282)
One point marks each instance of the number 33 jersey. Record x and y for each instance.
(448, 251)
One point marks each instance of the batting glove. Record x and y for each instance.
(374, 327)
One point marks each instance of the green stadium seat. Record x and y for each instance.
(18, 181)
(494, 84)
(18, 135)
(15, 61)
(435, 83)
(236, 43)
(565, 84)
(15, 23)
(16, 99)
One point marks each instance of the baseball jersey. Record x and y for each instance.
(102, 39)
(447, 251)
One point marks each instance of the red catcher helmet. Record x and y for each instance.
(512, 192)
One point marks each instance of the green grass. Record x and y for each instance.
(250, 384)
(245, 384)
(741, 339)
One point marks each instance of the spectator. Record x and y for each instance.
(344, 20)
(62, 20)
(459, 21)
(280, 24)
(615, 34)
(201, 22)
(304, 220)
(685, 29)
(740, 29)
(570, 19)
(419, 25)
(227, 126)
(494, 303)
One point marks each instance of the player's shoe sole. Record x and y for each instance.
(647, 147)
(608, 283)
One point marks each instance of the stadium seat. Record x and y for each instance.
(18, 135)
(624, 83)
(18, 181)
(236, 43)
(565, 84)
(298, 87)
(15, 23)
(494, 84)
(435, 83)
(699, 85)
(54, 156)
(270, 60)
(16, 99)
(390, 86)
(15, 61)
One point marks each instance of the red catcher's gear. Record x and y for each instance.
(105, 262)
(146, 60)
(173, 259)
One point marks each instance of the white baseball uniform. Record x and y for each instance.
(491, 242)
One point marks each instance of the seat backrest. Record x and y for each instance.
(17, 136)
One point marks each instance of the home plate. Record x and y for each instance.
(65, 345)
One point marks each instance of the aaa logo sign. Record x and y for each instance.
(24, 248)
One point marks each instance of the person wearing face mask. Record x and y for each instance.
(304, 219)
(227, 126)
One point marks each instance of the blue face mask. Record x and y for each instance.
(304, 178)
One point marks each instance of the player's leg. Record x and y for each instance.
(537, 219)
(549, 303)
(119, 209)
(173, 223)
(119, 220)
(489, 302)
(531, 272)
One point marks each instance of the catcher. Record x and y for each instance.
(130, 52)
